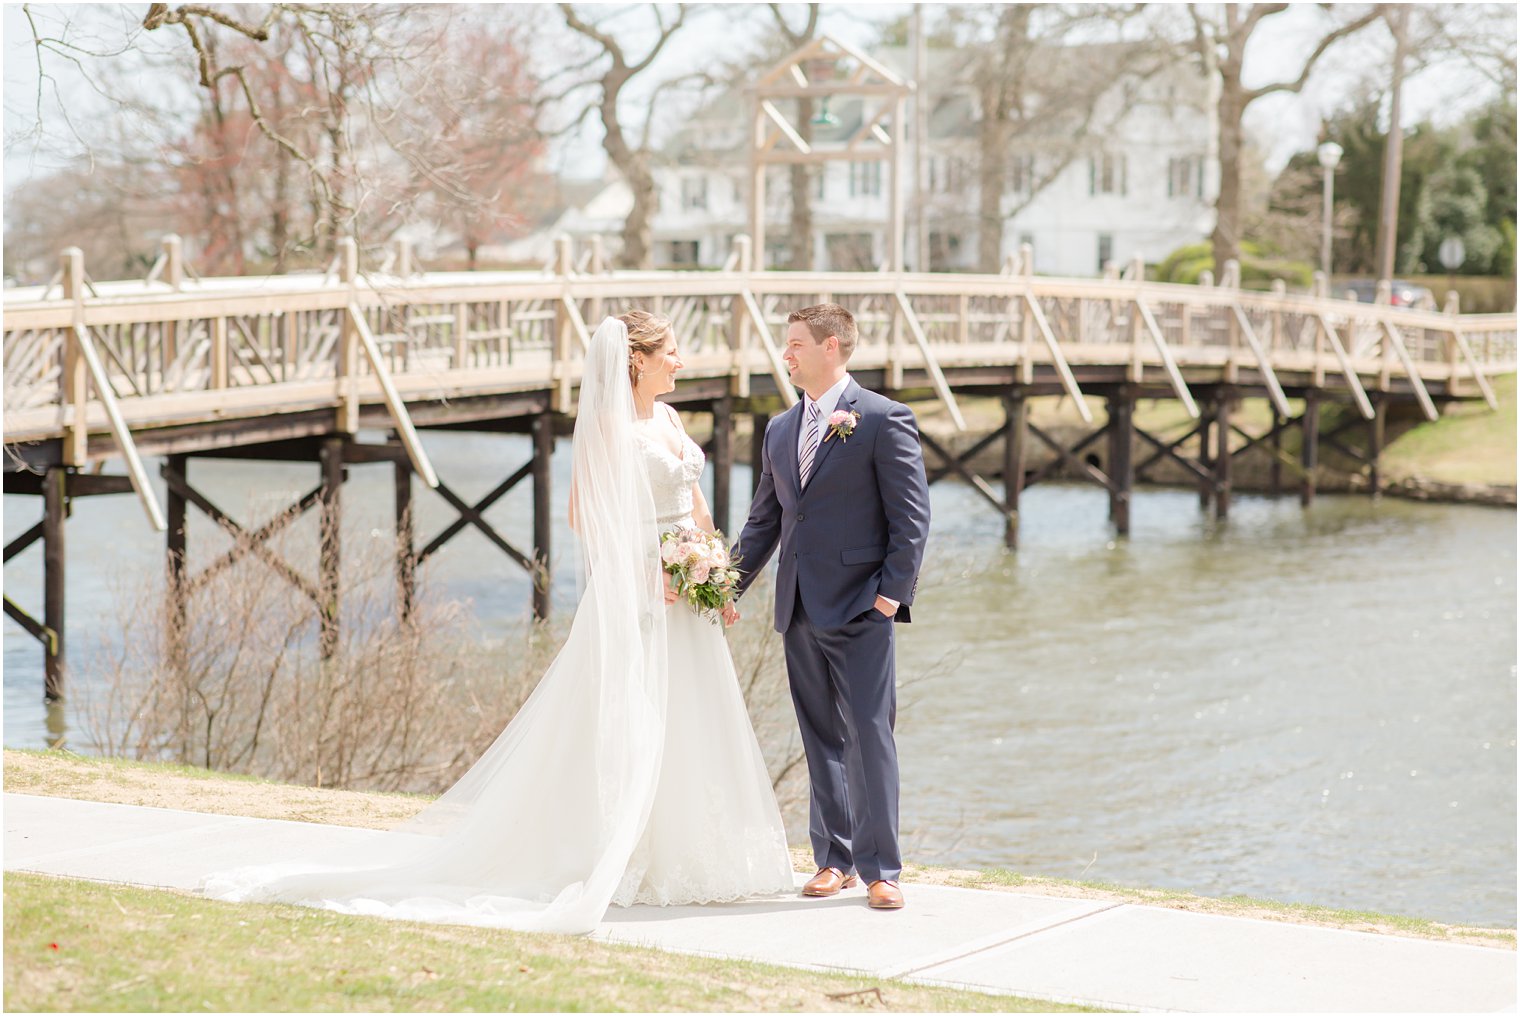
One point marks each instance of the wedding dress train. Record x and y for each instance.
(631, 774)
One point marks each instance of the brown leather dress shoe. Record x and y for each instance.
(828, 882)
(884, 895)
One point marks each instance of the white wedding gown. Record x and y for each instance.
(714, 832)
(631, 774)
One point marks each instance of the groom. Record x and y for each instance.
(842, 491)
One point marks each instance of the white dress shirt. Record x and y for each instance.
(826, 405)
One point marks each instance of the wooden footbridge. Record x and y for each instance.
(292, 368)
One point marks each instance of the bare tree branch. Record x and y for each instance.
(1324, 44)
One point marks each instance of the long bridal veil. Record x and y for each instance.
(538, 833)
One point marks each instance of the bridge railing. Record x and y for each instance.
(233, 345)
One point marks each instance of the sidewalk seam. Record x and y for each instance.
(911, 971)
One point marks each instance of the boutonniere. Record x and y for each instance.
(842, 424)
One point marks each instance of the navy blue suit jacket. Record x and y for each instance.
(859, 528)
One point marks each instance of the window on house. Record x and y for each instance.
(1105, 250)
(1021, 174)
(953, 175)
(682, 253)
(1106, 174)
(1179, 177)
(944, 251)
(694, 193)
(865, 179)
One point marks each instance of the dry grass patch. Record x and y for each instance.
(154, 785)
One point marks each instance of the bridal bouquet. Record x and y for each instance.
(705, 575)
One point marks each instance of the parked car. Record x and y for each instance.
(1403, 294)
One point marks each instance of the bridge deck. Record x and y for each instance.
(221, 361)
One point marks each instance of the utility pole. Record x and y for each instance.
(1393, 151)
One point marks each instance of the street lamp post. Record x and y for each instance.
(1329, 157)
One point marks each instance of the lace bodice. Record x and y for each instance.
(669, 475)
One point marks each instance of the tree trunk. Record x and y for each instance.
(991, 169)
(800, 239)
(638, 237)
(1226, 236)
(1393, 157)
(279, 213)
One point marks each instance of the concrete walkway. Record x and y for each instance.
(1100, 953)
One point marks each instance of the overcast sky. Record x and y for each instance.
(1283, 124)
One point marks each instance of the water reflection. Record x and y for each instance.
(1186, 706)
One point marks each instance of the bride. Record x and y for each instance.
(631, 774)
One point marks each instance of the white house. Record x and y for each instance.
(1142, 183)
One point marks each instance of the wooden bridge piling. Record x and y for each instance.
(1015, 444)
(757, 424)
(176, 471)
(1376, 429)
(1121, 464)
(1309, 448)
(1223, 405)
(1274, 443)
(543, 453)
(55, 511)
(330, 554)
(722, 460)
(406, 541)
(1207, 427)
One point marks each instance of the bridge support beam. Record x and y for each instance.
(1274, 441)
(1223, 405)
(54, 511)
(1015, 446)
(1376, 430)
(722, 460)
(176, 619)
(758, 423)
(1121, 461)
(58, 486)
(406, 548)
(1207, 427)
(543, 454)
(331, 459)
(1309, 453)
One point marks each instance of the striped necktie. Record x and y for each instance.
(809, 443)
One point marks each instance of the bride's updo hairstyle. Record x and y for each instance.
(646, 334)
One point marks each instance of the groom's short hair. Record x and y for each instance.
(827, 319)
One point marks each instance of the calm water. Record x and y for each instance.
(1311, 706)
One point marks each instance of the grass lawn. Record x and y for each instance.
(1469, 443)
(73, 945)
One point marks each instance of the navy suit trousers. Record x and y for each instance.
(844, 687)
